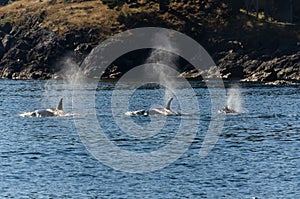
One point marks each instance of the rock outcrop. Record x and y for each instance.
(31, 48)
(32, 52)
(28, 53)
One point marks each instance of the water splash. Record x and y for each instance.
(62, 85)
(164, 63)
(234, 99)
(70, 71)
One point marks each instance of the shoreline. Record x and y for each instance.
(226, 82)
(242, 47)
(41, 54)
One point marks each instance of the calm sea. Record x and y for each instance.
(257, 154)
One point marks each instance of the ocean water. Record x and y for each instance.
(257, 154)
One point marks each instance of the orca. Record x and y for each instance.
(138, 112)
(50, 112)
(155, 111)
(228, 110)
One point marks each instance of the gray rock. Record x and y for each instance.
(7, 42)
(262, 76)
(192, 74)
(281, 82)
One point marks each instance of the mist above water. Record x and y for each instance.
(63, 83)
(234, 99)
(164, 63)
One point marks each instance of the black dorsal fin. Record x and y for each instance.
(60, 104)
(169, 104)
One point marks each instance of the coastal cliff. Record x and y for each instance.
(36, 35)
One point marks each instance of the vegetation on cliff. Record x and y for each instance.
(35, 34)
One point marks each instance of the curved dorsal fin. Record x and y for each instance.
(60, 104)
(169, 104)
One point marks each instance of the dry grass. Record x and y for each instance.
(61, 17)
(84, 15)
(17, 9)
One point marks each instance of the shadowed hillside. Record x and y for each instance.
(36, 34)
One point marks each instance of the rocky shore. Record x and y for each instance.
(263, 67)
(33, 51)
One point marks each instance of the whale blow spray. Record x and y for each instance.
(234, 99)
(63, 85)
(160, 57)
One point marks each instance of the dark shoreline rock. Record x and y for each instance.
(32, 53)
(27, 53)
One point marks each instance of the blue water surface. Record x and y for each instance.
(257, 155)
